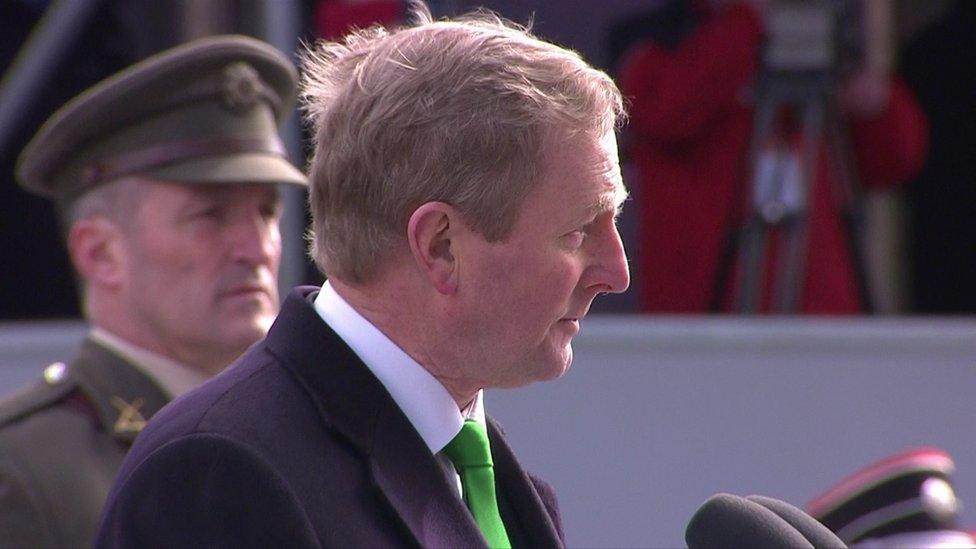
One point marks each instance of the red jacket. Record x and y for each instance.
(690, 130)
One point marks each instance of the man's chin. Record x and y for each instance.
(538, 370)
(262, 323)
(245, 332)
(562, 369)
(556, 366)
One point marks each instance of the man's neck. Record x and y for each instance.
(105, 313)
(392, 311)
(173, 377)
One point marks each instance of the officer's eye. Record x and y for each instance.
(271, 210)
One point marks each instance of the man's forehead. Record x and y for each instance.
(584, 171)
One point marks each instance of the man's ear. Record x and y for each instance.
(430, 231)
(96, 250)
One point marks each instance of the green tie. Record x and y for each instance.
(471, 455)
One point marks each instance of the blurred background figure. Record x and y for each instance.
(906, 500)
(335, 18)
(693, 88)
(165, 178)
(50, 51)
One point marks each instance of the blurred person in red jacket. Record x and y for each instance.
(335, 18)
(690, 131)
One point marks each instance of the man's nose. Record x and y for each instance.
(256, 240)
(611, 273)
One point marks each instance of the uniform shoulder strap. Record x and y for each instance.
(51, 389)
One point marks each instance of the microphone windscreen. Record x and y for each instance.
(817, 534)
(727, 521)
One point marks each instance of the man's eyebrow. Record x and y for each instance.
(274, 194)
(608, 202)
(612, 201)
(620, 196)
(220, 193)
(205, 192)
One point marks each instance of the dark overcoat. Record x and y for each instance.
(62, 441)
(299, 445)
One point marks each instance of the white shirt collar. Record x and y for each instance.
(426, 403)
(172, 377)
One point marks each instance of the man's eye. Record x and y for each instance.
(212, 212)
(271, 211)
(575, 238)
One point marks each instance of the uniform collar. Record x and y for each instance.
(124, 397)
(171, 376)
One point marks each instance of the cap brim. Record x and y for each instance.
(234, 168)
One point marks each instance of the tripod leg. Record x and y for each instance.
(851, 203)
(754, 235)
(792, 258)
(753, 258)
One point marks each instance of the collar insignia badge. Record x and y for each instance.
(130, 420)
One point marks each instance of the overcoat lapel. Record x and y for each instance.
(354, 403)
(416, 486)
(523, 511)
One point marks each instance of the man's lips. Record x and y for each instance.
(244, 290)
(576, 317)
(570, 325)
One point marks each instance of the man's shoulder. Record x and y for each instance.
(39, 398)
(270, 380)
(52, 424)
(236, 399)
(56, 463)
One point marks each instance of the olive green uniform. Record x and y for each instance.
(62, 441)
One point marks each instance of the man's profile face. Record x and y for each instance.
(528, 293)
(201, 268)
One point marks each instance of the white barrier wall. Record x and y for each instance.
(658, 413)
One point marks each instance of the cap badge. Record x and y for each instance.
(939, 499)
(130, 419)
(240, 87)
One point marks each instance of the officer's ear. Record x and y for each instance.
(97, 250)
(431, 232)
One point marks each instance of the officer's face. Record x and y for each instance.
(200, 269)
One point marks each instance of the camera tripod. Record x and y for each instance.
(783, 172)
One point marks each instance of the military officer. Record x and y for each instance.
(166, 181)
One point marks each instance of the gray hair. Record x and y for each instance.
(456, 111)
(117, 201)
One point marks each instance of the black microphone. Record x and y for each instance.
(727, 521)
(817, 534)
